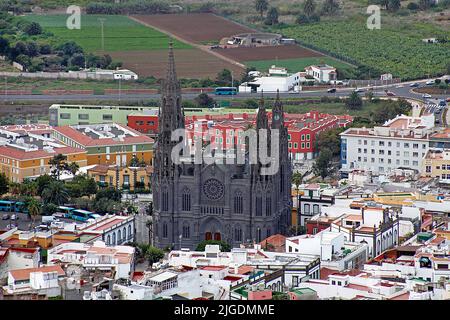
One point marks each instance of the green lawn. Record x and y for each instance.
(120, 33)
(296, 65)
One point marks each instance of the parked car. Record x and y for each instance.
(5, 217)
(414, 84)
(390, 93)
(14, 217)
(214, 47)
(358, 90)
(10, 226)
(429, 82)
(332, 90)
(426, 96)
(442, 103)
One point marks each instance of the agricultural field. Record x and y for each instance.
(120, 33)
(194, 27)
(395, 48)
(295, 65)
(267, 53)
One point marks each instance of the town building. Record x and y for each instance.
(41, 280)
(119, 260)
(400, 143)
(13, 258)
(25, 151)
(277, 79)
(125, 178)
(107, 144)
(334, 251)
(440, 139)
(436, 164)
(230, 202)
(70, 115)
(310, 199)
(112, 229)
(322, 73)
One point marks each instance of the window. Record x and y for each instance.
(83, 116)
(107, 117)
(165, 201)
(259, 206)
(238, 202)
(296, 145)
(315, 208)
(306, 208)
(307, 137)
(186, 200)
(406, 145)
(428, 169)
(268, 205)
(186, 232)
(303, 137)
(165, 230)
(64, 116)
(238, 234)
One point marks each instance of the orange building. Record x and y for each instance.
(25, 152)
(107, 144)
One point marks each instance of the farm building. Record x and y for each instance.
(277, 79)
(322, 73)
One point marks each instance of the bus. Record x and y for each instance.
(20, 207)
(83, 215)
(225, 91)
(64, 211)
(6, 205)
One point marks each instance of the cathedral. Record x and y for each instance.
(234, 203)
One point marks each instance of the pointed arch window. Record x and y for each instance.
(186, 200)
(186, 231)
(165, 200)
(259, 206)
(268, 204)
(238, 234)
(238, 204)
(165, 230)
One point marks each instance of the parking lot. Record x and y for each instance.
(23, 222)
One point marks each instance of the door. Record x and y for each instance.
(208, 236)
(217, 236)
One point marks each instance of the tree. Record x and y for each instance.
(43, 182)
(224, 247)
(32, 49)
(330, 7)
(322, 166)
(309, 7)
(272, 16)
(73, 168)
(394, 5)
(55, 193)
(59, 165)
(34, 209)
(77, 60)
(425, 4)
(204, 100)
(4, 46)
(354, 102)
(330, 140)
(4, 184)
(224, 78)
(48, 209)
(33, 29)
(261, 6)
(154, 254)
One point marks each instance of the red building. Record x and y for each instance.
(226, 129)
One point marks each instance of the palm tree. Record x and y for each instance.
(14, 188)
(55, 193)
(34, 209)
(73, 168)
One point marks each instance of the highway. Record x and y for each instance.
(400, 90)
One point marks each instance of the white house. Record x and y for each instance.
(43, 280)
(322, 73)
(17, 258)
(277, 79)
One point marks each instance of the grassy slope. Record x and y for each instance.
(295, 65)
(121, 33)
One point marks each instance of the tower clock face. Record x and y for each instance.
(213, 189)
(276, 117)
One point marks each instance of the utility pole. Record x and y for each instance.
(120, 87)
(6, 88)
(102, 21)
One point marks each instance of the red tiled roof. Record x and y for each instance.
(24, 274)
(87, 141)
(213, 268)
(18, 154)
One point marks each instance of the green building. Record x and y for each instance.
(69, 115)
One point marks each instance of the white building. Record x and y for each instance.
(322, 73)
(17, 258)
(134, 291)
(112, 229)
(400, 143)
(43, 280)
(334, 251)
(118, 259)
(277, 79)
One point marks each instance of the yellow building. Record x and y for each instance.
(127, 178)
(436, 164)
(107, 144)
(26, 151)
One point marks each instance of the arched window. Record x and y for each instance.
(395, 237)
(259, 206)
(165, 230)
(238, 202)
(114, 239)
(108, 240)
(315, 208)
(306, 208)
(124, 233)
(268, 232)
(129, 232)
(186, 231)
(186, 200)
(268, 205)
(238, 234)
(119, 236)
(165, 200)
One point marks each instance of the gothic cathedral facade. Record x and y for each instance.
(234, 203)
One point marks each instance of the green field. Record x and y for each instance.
(296, 65)
(396, 48)
(120, 33)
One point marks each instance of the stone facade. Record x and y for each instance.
(230, 202)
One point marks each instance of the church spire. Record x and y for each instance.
(171, 76)
(277, 113)
(261, 118)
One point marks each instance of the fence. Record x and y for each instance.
(373, 82)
